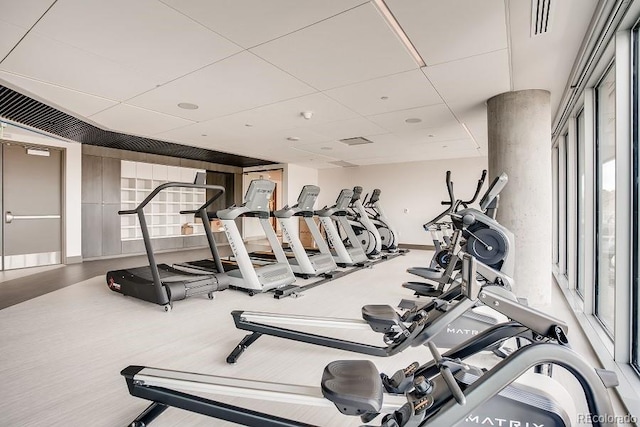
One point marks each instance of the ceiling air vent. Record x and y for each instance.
(344, 164)
(356, 141)
(541, 16)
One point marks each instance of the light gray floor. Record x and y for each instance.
(61, 353)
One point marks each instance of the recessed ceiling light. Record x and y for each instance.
(293, 138)
(326, 148)
(444, 146)
(204, 134)
(188, 106)
(384, 98)
(430, 135)
(248, 125)
(413, 120)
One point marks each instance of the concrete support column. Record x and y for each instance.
(519, 125)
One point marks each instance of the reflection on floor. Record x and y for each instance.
(61, 353)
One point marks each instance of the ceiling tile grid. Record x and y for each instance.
(144, 36)
(252, 67)
(351, 47)
(390, 93)
(10, 35)
(444, 31)
(472, 80)
(78, 103)
(137, 121)
(50, 61)
(23, 13)
(252, 22)
(235, 84)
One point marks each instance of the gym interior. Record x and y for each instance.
(338, 213)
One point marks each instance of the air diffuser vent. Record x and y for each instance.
(343, 164)
(541, 16)
(356, 141)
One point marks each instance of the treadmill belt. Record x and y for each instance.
(167, 274)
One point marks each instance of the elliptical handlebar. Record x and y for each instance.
(453, 203)
(478, 188)
(449, 190)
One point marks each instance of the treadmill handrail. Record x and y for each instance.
(166, 185)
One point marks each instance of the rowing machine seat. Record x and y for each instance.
(354, 386)
(381, 318)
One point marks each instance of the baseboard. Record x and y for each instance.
(417, 247)
(73, 260)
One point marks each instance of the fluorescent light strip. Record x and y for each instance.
(471, 136)
(395, 26)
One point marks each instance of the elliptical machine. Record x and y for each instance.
(366, 232)
(388, 234)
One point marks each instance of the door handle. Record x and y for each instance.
(10, 217)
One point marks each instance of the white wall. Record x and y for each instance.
(297, 177)
(418, 187)
(72, 182)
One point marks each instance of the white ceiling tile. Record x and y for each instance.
(10, 35)
(23, 13)
(53, 62)
(287, 114)
(77, 103)
(472, 80)
(351, 47)
(434, 154)
(430, 116)
(251, 22)
(358, 126)
(138, 121)
(475, 118)
(423, 136)
(403, 90)
(145, 36)
(234, 84)
(444, 31)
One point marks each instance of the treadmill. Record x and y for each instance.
(160, 283)
(303, 263)
(243, 273)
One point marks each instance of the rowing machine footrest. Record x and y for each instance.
(423, 289)
(354, 386)
(381, 318)
(427, 272)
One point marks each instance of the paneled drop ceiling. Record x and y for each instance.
(253, 66)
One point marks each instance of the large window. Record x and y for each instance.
(567, 224)
(605, 199)
(635, 356)
(580, 188)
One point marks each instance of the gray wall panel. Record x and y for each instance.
(133, 247)
(91, 230)
(111, 229)
(195, 241)
(91, 179)
(110, 180)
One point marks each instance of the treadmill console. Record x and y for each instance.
(357, 192)
(494, 190)
(344, 198)
(308, 197)
(258, 195)
(375, 196)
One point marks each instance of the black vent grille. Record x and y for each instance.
(22, 109)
